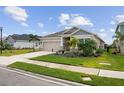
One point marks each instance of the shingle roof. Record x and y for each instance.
(122, 23)
(99, 38)
(66, 31)
(21, 37)
(72, 30)
(55, 34)
(69, 32)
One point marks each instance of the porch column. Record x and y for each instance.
(61, 42)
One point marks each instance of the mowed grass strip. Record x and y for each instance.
(116, 61)
(15, 52)
(68, 75)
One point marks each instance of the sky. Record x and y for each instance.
(43, 20)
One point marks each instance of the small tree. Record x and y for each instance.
(73, 42)
(87, 46)
(6, 46)
(33, 38)
(119, 36)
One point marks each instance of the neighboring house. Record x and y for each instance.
(120, 44)
(58, 41)
(22, 41)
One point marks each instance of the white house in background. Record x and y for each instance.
(22, 41)
(58, 41)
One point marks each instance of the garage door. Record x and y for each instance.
(48, 46)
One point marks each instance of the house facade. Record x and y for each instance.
(120, 44)
(58, 41)
(22, 41)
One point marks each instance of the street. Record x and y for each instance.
(11, 78)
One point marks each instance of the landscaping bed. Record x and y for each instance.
(116, 61)
(68, 75)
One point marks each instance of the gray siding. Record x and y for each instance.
(122, 29)
(81, 32)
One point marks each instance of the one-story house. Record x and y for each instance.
(58, 40)
(22, 41)
(120, 44)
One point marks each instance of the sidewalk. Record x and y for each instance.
(93, 71)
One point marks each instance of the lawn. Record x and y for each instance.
(68, 75)
(15, 52)
(116, 61)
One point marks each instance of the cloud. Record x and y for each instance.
(4, 34)
(68, 27)
(17, 13)
(74, 20)
(102, 30)
(112, 22)
(41, 25)
(112, 30)
(24, 24)
(64, 18)
(102, 34)
(30, 31)
(119, 18)
(46, 33)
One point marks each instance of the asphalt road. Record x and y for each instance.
(11, 78)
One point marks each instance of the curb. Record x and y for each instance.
(50, 79)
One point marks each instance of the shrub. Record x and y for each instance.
(87, 46)
(6, 46)
(99, 50)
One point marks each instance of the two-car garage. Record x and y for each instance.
(51, 44)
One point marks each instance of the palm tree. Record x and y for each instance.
(33, 38)
(73, 42)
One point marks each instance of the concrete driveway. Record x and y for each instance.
(4, 60)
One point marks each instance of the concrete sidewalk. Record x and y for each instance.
(92, 71)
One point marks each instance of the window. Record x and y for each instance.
(40, 43)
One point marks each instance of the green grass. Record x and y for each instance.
(68, 75)
(116, 61)
(15, 52)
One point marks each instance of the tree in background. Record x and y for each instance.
(119, 36)
(6, 46)
(33, 38)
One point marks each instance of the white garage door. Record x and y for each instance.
(48, 46)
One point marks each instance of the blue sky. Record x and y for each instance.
(46, 20)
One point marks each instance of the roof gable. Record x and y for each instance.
(82, 32)
(72, 30)
(65, 32)
(55, 34)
